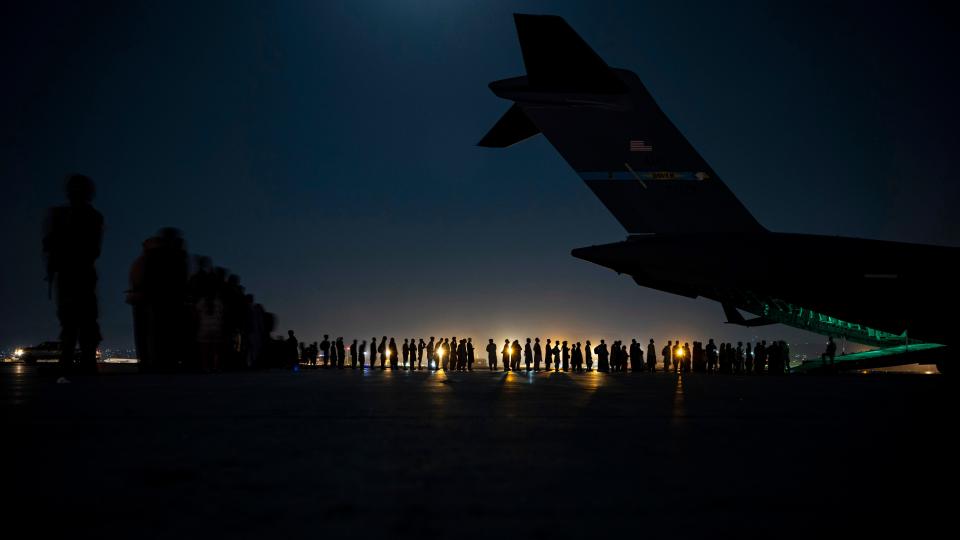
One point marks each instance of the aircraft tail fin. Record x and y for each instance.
(558, 59)
(611, 131)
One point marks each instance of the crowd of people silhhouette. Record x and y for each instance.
(452, 354)
(203, 319)
(196, 319)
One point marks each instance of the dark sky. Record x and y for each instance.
(325, 151)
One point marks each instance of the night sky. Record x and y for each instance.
(326, 152)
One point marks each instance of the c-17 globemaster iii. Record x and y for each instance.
(607, 126)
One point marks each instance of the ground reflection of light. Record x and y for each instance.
(678, 395)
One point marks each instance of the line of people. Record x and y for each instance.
(459, 355)
(201, 320)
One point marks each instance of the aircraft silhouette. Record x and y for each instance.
(609, 129)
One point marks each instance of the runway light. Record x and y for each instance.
(18, 353)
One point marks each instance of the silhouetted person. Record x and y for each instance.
(491, 355)
(353, 355)
(830, 353)
(636, 356)
(334, 355)
(383, 353)
(537, 355)
(431, 350)
(325, 350)
(420, 347)
(603, 357)
(361, 351)
(556, 356)
(291, 355)
(406, 352)
(452, 353)
(341, 353)
(760, 357)
(576, 358)
(470, 354)
(393, 353)
(565, 358)
(651, 356)
(528, 354)
(676, 355)
(209, 325)
(748, 359)
(588, 354)
(505, 355)
(515, 355)
(373, 351)
(72, 240)
(462, 355)
(548, 359)
(711, 350)
(665, 353)
(444, 351)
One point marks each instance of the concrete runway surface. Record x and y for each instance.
(371, 454)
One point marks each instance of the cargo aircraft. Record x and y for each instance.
(604, 122)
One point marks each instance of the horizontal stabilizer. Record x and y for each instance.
(557, 59)
(734, 317)
(514, 126)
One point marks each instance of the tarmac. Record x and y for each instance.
(371, 454)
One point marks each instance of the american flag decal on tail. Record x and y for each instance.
(640, 146)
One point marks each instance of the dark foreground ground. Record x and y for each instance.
(478, 455)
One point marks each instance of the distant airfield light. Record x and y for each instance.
(18, 353)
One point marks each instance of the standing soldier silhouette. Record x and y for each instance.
(72, 240)
(420, 346)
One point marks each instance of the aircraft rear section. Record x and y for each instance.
(689, 234)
